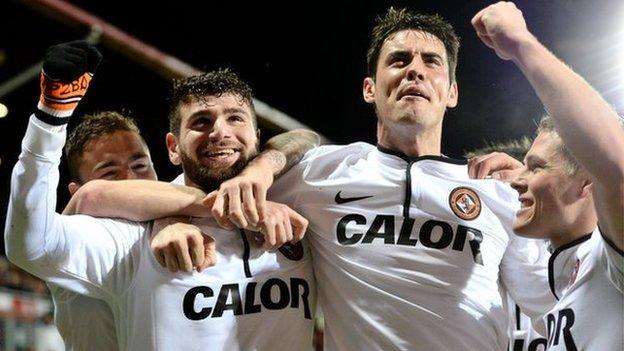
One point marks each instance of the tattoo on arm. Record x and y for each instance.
(287, 149)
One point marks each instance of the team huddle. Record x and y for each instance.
(401, 247)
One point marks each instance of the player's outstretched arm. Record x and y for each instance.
(241, 201)
(32, 224)
(585, 122)
(136, 200)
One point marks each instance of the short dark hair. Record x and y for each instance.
(91, 127)
(397, 20)
(214, 83)
(516, 148)
(547, 125)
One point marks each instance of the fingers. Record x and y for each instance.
(209, 252)
(182, 255)
(249, 205)
(219, 211)
(179, 246)
(483, 169)
(497, 165)
(261, 203)
(299, 225)
(235, 213)
(282, 225)
(171, 262)
(270, 233)
(210, 200)
(160, 258)
(196, 249)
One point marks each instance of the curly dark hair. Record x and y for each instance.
(214, 83)
(91, 127)
(396, 20)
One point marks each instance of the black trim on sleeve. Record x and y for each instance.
(49, 119)
(611, 243)
(551, 260)
(246, 250)
(420, 158)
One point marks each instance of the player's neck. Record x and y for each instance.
(410, 141)
(584, 225)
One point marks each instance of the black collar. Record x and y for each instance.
(408, 159)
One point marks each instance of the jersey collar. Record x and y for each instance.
(561, 265)
(409, 159)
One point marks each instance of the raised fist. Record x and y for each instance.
(67, 71)
(502, 27)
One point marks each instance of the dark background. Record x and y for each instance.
(308, 60)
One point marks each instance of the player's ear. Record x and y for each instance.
(586, 188)
(368, 90)
(453, 95)
(73, 187)
(173, 149)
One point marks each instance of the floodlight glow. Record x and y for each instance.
(4, 111)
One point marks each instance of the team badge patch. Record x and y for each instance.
(465, 203)
(292, 252)
(577, 266)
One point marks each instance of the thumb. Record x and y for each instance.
(210, 199)
(210, 253)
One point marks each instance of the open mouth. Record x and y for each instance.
(413, 93)
(525, 206)
(220, 155)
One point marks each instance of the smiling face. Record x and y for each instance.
(411, 86)
(119, 155)
(217, 138)
(552, 199)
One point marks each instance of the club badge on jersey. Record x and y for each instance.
(465, 203)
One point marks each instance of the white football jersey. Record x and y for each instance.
(83, 321)
(251, 300)
(586, 276)
(407, 252)
(522, 335)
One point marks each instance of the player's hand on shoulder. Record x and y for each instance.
(240, 202)
(281, 225)
(178, 245)
(501, 27)
(496, 165)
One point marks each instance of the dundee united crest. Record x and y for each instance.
(465, 203)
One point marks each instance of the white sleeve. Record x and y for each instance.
(614, 264)
(524, 273)
(318, 164)
(87, 255)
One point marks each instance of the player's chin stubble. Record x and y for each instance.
(209, 179)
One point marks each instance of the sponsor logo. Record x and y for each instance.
(274, 294)
(432, 234)
(293, 252)
(344, 200)
(559, 329)
(465, 203)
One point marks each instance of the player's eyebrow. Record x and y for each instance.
(534, 160)
(109, 163)
(398, 54)
(138, 155)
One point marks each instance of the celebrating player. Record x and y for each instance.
(229, 306)
(573, 179)
(407, 249)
